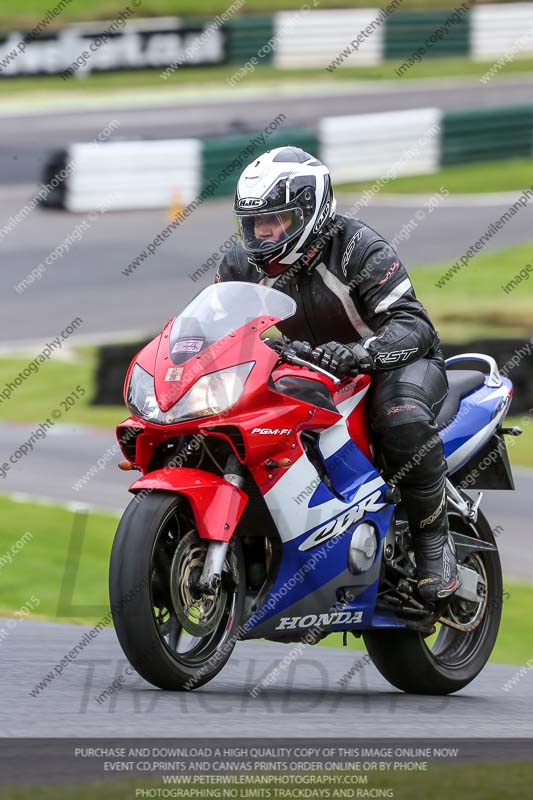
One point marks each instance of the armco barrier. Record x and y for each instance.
(357, 148)
(486, 134)
(158, 174)
(114, 360)
(246, 35)
(406, 32)
(221, 151)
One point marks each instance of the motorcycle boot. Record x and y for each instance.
(434, 548)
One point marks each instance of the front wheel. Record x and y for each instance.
(174, 635)
(451, 658)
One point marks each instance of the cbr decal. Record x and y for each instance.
(343, 522)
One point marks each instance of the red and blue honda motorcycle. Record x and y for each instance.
(262, 510)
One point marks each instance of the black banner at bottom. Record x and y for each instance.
(120, 769)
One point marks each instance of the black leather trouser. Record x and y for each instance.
(403, 405)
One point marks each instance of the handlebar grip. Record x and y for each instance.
(302, 349)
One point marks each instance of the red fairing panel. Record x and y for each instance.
(217, 505)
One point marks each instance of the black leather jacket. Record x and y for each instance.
(354, 289)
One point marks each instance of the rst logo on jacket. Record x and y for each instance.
(349, 249)
(323, 620)
(394, 356)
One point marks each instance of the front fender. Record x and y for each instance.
(216, 504)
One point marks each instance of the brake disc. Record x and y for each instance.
(199, 612)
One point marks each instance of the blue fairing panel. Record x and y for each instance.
(478, 416)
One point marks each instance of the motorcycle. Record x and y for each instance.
(264, 512)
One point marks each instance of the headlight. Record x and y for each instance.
(211, 394)
(140, 397)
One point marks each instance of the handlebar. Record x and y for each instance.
(298, 353)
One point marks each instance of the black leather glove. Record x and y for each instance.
(342, 359)
(335, 358)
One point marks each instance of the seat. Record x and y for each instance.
(461, 383)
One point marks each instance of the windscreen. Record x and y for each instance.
(219, 310)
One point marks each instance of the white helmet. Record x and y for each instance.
(283, 203)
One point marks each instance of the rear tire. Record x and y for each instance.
(405, 659)
(143, 559)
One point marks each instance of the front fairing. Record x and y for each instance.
(218, 330)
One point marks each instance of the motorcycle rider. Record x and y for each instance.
(357, 308)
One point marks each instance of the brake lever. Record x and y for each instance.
(292, 358)
(288, 355)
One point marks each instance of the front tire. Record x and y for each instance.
(454, 658)
(155, 559)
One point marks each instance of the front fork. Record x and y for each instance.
(211, 576)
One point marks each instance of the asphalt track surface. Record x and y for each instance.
(306, 697)
(26, 137)
(88, 281)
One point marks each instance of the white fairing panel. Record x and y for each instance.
(289, 497)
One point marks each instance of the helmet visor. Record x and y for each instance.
(265, 232)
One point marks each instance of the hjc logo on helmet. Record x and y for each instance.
(252, 202)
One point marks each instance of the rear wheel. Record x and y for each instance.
(173, 634)
(451, 659)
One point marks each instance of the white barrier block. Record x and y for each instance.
(308, 38)
(501, 30)
(389, 144)
(131, 175)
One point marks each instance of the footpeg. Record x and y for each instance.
(474, 508)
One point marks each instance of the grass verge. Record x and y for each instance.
(38, 395)
(42, 566)
(43, 563)
(491, 176)
(215, 77)
(474, 781)
(32, 11)
(472, 302)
